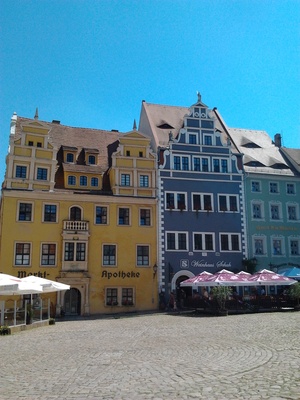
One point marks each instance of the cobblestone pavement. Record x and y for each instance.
(157, 357)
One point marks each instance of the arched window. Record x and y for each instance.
(75, 214)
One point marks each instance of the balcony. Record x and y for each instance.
(76, 226)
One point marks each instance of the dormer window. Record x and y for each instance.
(92, 160)
(70, 157)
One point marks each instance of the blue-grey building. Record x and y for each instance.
(200, 184)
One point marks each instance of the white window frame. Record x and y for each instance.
(204, 249)
(149, 256)
(181, 156)
(41, 255)
(176, 203)
(296, 205)
(258, 184)
(107, 214)
(42, 167)
(281, 240)
(116, 256)
(264, 245)
(229, 235)
(275, 204)
(177, 233)
(227, 196)
(294, 239)
(22, 166)
(15, 253)
(18, 211)
(277, 186)
(202, 209)
(43, 211)
(294, 188)
(260, 204)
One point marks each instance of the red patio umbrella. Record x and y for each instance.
(196, 280)
(269, 278)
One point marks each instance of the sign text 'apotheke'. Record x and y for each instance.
(120, 274)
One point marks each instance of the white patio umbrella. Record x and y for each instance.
(13, 286)
(46, 284)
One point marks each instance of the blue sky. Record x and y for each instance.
(91, 63)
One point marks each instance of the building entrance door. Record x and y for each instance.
(72, 302)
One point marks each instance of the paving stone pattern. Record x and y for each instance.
(157, 357)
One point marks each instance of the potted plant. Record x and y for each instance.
(294, 292)
(5, 330)
(221, 294)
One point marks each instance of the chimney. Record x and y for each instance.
(277, 139)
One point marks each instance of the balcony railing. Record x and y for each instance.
(76, 225)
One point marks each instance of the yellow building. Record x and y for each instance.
(79, 206)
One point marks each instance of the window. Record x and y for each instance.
(48, 254)
(83, 180)
(75, 251)
(255, 186)
(141, 154)
(192, 139)
(142, 256)
(101, 215)
(109, 255)
(196, 161)
(39, 144)
(144, 181)
(21, 171)
(111, 296)
(176, 240)
(75, 214)
(259, 246)
(181, 163)
(228, 203)
(292, 212)
(256, 210)
(30, 143)
(42, 174)
(127, 296)
(125, 180)
(22, 254)
(224, 166)
(145, 217)
(230, 242)
(176, 200)
(277, 246)
(275, 212)
(208, 140)
(70, 157)
(94, 182)
(201, 202)
(294, 246)
(274, 187)
(25, 211)
(290, 188)
(203, 242)
(92, 160)
(50, 213)
(123, 216)
(205, 165)
(127, 153)
(71, 180)
(216, 165)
